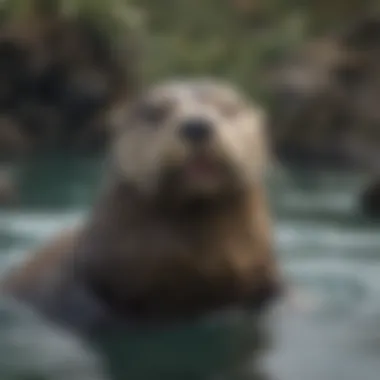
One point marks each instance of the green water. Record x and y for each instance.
(325, 246)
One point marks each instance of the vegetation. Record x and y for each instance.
(63, 66)
(237, 39)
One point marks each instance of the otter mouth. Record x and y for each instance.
(202, 168)
(203, 172)
(200, 177)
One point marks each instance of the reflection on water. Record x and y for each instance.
(31, 349)
(324, 244)
(328, 248)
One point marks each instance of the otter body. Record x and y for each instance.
(182, 229)
(146, 264)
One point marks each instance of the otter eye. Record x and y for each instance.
(153, 113)
(230, 110)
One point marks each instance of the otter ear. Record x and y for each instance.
(146, 111)
(261, 124)
(118, 116)
(121, 114)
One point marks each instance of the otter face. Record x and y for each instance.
(192, 138)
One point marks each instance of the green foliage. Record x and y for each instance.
(115, 17)
(219, 37)
(212, 37)
(235, 39)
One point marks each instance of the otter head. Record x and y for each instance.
(191, 139)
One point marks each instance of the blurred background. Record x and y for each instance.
(67, 67)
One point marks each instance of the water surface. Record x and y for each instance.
(325, 246)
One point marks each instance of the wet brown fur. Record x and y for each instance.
(40, 262)
(155, 259)
(161, 265)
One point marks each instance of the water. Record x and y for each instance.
(325, 246)
(32, 349)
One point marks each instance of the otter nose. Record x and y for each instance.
(196, 130)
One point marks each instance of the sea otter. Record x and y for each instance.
(182, 228)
